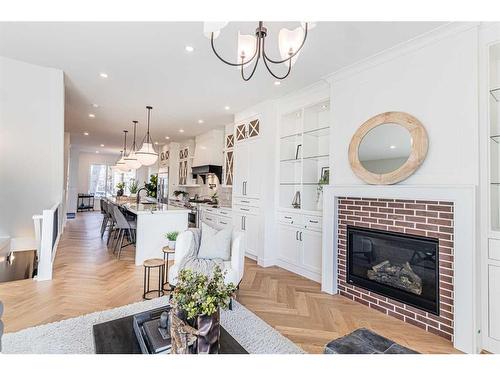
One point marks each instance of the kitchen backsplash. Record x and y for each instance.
(225, 193)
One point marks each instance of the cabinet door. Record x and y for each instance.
(240, 169)
(210, 219)
(254, 176)
(228, 168)
(251, 225)
(181, 170)
(253, 128)
(289, 246)
(311, 250)
(241, 132)
(494, 301)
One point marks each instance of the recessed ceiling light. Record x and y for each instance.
(189, 48)
(103, 75)
(392, 146)
(200, 121)
(95, 105)
(85, 133)
(277, 83)
(91, 115)
(156, 143)
(102, 145)
(323, 106)
(167, 137)
(97, 152)
(227, 108)
(181, 130)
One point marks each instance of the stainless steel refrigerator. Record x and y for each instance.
(162, 190)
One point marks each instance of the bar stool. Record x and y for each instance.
(166, 252)
(148, 265)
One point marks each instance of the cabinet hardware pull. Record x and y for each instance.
(245, 201)
(244, 222)
(244, 209)
(222, 222)
(242, 218)
(313, 221)
(300, 236)
(288, 217)
(297, 235)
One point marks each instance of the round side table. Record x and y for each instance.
(148, 265)
(166, 252)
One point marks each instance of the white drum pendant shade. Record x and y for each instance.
(147, 155)
(132, 161)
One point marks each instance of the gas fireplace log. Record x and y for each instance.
(400, 276)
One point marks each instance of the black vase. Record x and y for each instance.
(208, 333)
(119, 193)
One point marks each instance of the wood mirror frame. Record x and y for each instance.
(419, 145)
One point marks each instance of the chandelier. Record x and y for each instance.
(131, 160)
(121, 164)
(147, 155)
(252, 48)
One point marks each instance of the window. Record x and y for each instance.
(103, 180)
(97, 180)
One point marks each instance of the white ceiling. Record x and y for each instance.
(147, 65)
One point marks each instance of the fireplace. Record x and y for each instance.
(400, 266)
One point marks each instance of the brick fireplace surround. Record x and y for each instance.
(416, 217)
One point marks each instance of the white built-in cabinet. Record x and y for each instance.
(490, 282)
(247, 163)
(304, 155)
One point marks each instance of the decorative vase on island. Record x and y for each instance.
(171, 244)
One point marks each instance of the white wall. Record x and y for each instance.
(32, 135)
(436, 83)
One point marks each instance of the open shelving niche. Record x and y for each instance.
(304, 152)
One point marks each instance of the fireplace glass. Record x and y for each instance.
(399, 266)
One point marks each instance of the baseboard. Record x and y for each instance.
(299, 270)
(266, 262)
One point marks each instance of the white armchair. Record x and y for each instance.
(234, 267)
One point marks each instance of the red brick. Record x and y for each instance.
(376, 307)
(403, 212)
(427, 213)
(415, 206)
(396, 217)
(416, 219)
(396, 229)
(386, 222)
(378, 215)
(441, 222)
(405, 313)
(404, 224)
(430, 227)
(396, 205)
(415, 232)
(446, 215)
(386, 210)
(415, 323)
(396, 315)
(431, 207)
(378, 204)
(428, 321)
(372, 209)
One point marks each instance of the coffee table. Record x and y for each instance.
(118, 337)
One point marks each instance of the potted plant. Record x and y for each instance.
(181, 195)
(152, 186)
(197, 300)
(119, 189)
(171, 237)
(133, 186)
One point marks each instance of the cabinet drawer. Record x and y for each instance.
(246, 201)
(224, 222)
(224, 212)
(289, 218)
(209, 209)
(313, 222)
(210, 219)
(246, 210)
(494, 249)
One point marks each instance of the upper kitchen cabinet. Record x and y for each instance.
(247, 130)
(228, 166)
(247, 169)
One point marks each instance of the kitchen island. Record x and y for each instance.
(153, 221)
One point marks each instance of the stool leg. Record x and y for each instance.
(144, 294)
(160, 281)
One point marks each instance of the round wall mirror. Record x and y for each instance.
(388, 148)
(385, 148)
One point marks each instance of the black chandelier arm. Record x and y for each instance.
(272, 73)
(254, 67)
(230, 63)
(289, 58)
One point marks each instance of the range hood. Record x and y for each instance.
(204, 170)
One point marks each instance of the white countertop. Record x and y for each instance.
(148, 208)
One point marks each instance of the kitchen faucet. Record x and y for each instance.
(138, 198)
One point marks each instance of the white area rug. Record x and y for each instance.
(74, 336)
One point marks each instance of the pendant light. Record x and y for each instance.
(120, 161)
(131, 160)
(122, 165)
(147, 154)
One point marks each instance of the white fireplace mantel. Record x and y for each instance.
(465, 246)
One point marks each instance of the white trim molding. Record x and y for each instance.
(466, 319)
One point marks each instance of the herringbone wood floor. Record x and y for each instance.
(88, 278)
